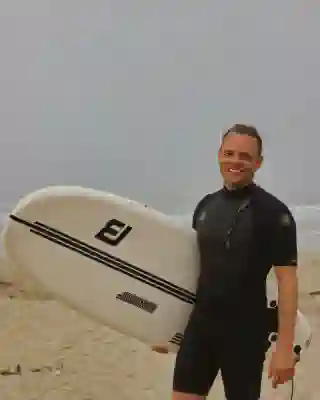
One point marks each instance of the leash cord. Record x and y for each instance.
(292, 388)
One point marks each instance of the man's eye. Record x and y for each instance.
(245, 157)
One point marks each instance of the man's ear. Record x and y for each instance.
(259, 162)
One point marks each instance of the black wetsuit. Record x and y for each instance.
(241, 234)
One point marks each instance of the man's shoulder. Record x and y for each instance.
(208, 197)
(271, 202)
(202, 203)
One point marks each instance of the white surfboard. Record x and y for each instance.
(120, 262)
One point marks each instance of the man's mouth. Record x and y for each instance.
(236, 170)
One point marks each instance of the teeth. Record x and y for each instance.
(234, 170)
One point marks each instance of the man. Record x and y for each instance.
(242, 231)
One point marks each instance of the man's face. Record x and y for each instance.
(239, 159)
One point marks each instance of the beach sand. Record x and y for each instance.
(64, 355)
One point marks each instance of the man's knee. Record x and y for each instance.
(252, 393)
(186, 396)
(189, 384)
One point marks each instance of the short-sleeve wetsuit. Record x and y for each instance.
(241, 234)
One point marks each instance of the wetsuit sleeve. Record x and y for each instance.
(284, 239)
(198, 210)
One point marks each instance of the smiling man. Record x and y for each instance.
(242, 231)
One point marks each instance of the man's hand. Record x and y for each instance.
(282, 366)
(160, 348)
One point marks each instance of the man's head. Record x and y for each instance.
(240, 155)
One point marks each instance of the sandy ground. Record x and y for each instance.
(64, 355)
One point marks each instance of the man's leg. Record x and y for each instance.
(196, 367)
(242, 367)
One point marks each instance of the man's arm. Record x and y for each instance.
(287, 305)
(285, 266)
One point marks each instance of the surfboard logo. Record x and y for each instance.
(113, 232)
(202, 216)
(137, 301)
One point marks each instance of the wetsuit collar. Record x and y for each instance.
(240, 191)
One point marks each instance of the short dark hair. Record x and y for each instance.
(248, 130)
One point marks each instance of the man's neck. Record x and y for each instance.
(231, 187)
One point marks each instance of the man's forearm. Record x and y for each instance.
(287, 310)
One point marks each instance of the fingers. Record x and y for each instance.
(275, 383)
(281, 377)
(162, 349)
(277, 380)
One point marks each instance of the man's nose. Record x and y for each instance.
(236, 159)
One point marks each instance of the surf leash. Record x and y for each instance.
(293, 381)
(293, 386)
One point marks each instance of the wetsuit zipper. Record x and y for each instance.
(242, 207)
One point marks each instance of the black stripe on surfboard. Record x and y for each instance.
(106, 259)
(177, 339)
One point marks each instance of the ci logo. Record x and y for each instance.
(113, 232)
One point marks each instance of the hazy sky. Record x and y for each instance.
(131, 96)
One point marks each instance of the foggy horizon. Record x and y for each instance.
(131, 98)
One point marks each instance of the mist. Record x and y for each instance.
(131, 97)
